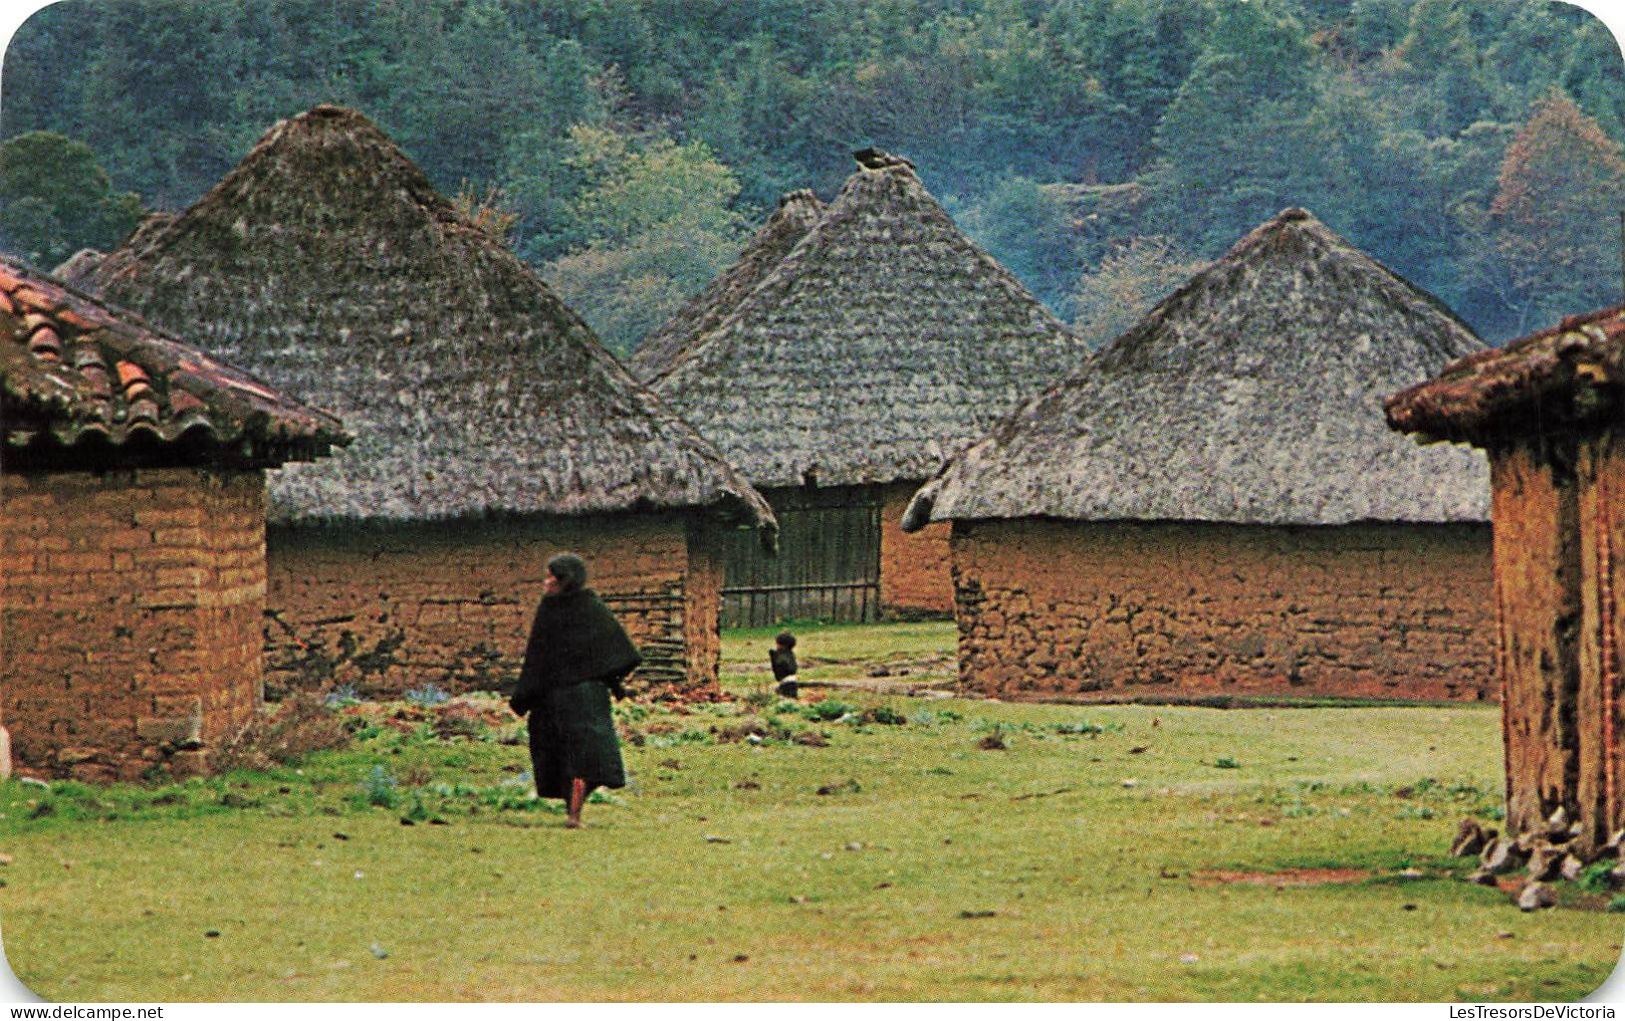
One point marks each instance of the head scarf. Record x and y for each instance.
(570, 570)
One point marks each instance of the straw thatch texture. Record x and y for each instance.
(1568, 377)
(1253, 394)
(878, 347)
(77, 377)
(326, 262)
(797, 213)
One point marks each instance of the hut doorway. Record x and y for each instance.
(827, 568)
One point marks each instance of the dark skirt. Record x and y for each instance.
(572, 734)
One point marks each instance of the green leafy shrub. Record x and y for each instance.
(379, 788)
(827, 710)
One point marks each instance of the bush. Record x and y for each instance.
(300, 725)
(827, 710)
(379, 788)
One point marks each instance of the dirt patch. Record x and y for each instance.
(1283, 878)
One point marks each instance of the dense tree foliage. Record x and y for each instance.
(1391, 120)
(55, 198)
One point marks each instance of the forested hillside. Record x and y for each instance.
(1100, 148)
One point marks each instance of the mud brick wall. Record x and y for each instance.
(1123, 610)
(702, 610)
(1600, 706)
(1559, 513)
(132, 604)
(389, 608)
(915, 570)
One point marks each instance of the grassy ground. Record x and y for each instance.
(917, 653)
(1105, 852)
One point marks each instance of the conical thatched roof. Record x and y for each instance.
(1570, 377)
(878, 347)
(328, 264)
(1252, 394)
(797, 213)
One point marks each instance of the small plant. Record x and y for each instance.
(428, 695)
(1226, 762)
(923, 718)
(887, 715)
(379, 788)
(995, 740)
(1085, 727)
(827, 710)
(343, 695)
(1596, 878)
(1617, 905)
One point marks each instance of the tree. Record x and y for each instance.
(1555, 216)
(658, 225)
(1245, 137)
(1438, 68)
(1127, 284)
(1030, 232)
(55, 199)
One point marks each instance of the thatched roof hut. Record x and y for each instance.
(1250, 395)
(327, 262)
(492, 427)
(1212, 503)
(797, 213)
(879, 345)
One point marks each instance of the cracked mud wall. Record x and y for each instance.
(1189, 609)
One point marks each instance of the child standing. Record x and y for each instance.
(783, 658)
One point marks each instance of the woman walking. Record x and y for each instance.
(577, 655)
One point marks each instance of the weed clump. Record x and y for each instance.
(299, 726)
(426, 696)
(827, 710)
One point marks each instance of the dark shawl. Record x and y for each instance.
(573, 639)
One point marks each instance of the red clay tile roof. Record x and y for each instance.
(1570, 376)
(75, 374)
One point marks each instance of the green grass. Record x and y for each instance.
(1067, 866)
(918, 652)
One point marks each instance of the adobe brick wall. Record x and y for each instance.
(915, 569)
(392, 607)
(1559, 513)
(132, 605)
(1122, 610)
(702, 610)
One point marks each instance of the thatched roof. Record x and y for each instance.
(80, 267)
(882, 343)
(797, 213)
(1252, 394)
(327, 263)
(83, 385)
(1569, 377)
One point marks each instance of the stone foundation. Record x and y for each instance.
(1161, 610)
(132, 608)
